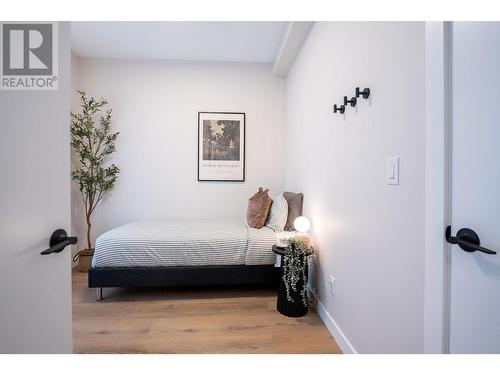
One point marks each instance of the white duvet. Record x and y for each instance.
(167, 243)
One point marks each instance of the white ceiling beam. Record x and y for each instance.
(293, 40)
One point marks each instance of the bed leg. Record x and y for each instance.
(98, 294)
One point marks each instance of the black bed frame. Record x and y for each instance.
(138, 277)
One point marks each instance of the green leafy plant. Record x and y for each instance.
(295, 268)
(93, 142)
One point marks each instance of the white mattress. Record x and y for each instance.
(167, 243)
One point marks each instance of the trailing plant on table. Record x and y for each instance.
(93, 142)
(295, 262)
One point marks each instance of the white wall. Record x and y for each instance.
(370, 236)
(155, 106)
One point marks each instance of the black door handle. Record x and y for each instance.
(468, 241)
(58, 241)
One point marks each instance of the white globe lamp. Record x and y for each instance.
(302, 224)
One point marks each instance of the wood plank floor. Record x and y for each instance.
(191, 320)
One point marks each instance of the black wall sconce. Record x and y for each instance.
(353, 101)
(340, 109)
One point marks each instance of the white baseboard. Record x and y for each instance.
(333, 327)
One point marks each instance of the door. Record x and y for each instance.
(35, 289)
(475, 187)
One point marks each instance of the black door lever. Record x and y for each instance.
(468, 241)
(58, 241)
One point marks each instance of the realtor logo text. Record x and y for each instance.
(28, 56)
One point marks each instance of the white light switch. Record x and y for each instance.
(393, 171)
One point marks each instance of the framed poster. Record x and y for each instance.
(221, 146)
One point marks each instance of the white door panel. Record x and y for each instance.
(35, 290)
(475, 277)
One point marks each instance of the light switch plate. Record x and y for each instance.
(393, 171)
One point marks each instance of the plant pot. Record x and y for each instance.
(295, 308)
(84, 258)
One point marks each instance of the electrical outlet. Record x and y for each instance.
(331, 280)
(393, 171)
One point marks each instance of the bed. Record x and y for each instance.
(161, 253)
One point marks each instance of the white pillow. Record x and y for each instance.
(278, 214)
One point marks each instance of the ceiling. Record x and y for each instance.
(202, 41)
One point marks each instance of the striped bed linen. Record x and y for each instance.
(170, 243)
(260, 243)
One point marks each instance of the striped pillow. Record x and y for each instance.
(278, 214)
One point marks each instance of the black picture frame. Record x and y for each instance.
(242, 143)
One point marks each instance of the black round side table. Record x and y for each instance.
(293, 309)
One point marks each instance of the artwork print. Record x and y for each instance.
(221, 146)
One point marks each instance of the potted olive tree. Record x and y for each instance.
(92, 143)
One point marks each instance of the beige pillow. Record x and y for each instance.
(294, 201)
(258, 208)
